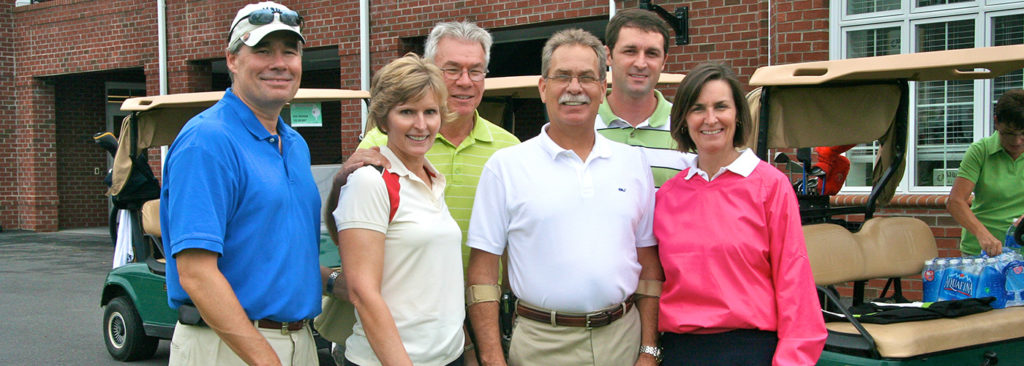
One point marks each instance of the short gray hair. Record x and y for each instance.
(466, 31)
(574, 36)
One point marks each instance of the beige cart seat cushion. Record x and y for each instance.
(151, 218)
(884, 247)
(897, 247)
(910, 339)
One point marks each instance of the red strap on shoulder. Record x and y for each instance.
(393, 186)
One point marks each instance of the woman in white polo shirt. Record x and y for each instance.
(399, 245)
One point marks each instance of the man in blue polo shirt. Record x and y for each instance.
(240, 210)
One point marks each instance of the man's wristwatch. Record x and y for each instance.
(329, 288)
(653, 351)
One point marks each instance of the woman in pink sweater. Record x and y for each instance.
(738, 286)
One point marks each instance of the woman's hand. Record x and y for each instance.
(990, 244)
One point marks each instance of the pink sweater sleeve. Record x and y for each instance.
(801, 328)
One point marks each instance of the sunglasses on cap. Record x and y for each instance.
(266, 16)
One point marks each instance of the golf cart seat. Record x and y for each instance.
(893, 247)
(151, 227)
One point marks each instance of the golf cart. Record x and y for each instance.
(134, 297)
(866, 100)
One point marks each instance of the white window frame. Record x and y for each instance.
(907, 18)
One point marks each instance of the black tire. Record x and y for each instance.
(123, 334)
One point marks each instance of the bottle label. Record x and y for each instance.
(960, 283)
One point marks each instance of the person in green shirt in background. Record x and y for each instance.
(634, 112)
(993, 169)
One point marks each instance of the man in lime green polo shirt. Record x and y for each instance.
(462, 51)
(993, 169)
(634, 113)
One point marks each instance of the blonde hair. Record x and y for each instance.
(405, 79)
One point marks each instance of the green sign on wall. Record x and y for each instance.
(306, 115)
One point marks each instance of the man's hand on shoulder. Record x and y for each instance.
(358, 159)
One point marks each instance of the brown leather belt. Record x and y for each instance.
(284, 327)
(590, 320)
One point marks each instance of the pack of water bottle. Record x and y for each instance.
(1001, 276)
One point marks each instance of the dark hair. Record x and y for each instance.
(686, 96)
(1010, 109)
(644, 20)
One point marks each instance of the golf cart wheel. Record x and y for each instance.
(123, 333)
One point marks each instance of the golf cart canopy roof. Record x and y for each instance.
(862, 100)
(963, 64)
(830, 103)
(158, 119)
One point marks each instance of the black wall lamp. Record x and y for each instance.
(679, 21)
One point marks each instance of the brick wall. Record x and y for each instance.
(80, 112)
(34, 141)
(8, 152)
(799, 31)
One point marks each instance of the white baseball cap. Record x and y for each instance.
(255, 21)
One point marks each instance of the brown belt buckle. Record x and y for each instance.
(587, 318)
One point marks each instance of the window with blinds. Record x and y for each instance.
(868, 43)
(923, 3)
(946, 116)
(1007, 30)
(945, 109)
(854, 7)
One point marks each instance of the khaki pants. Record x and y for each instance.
(196, 345)
(537, 343)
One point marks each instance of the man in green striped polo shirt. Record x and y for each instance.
(634, 113)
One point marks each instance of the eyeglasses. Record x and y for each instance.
(1011, 134)
(454, 73)
(266, 16)
(585, 80)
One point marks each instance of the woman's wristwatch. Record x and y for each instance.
(329, 288)
(653, 351)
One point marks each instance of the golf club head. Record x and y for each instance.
(816, 171)
(107, 141)
(781, 158)
(795, 167)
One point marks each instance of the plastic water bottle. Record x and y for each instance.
(930, 282)
(958, 282)
(992, 282)
(1014, 273)
(1010, 242)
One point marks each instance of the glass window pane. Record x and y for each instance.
(862, 164)
(870, 6)
(1007, 30)
(868, 43)
(873, 42)
(945, 109)
(921, 3)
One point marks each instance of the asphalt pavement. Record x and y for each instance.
(50, 286)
